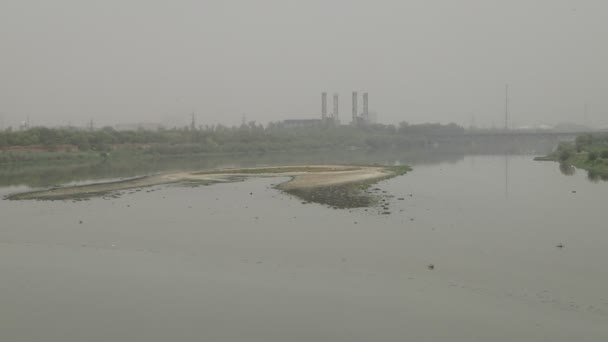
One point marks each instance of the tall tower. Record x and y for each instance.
(365, 107)
(324, 106)
(355, 110)
(336, 113)
(506, 107)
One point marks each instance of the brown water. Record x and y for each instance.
(218, 264)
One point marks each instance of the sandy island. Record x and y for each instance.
(336, 185)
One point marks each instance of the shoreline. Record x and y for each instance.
(334, 185)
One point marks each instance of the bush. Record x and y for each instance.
(592, 156)
(564, 155)
(604, 154)
(583, 141)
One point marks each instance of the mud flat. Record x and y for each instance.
(340, 186)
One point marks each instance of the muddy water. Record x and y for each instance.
(243, 262)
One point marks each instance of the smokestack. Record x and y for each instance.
(365, 107)
(355, 110)
(336, 113)
(324, 106)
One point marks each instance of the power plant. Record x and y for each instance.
(335, 114)
(358, 119)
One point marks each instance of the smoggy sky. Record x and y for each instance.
(125, 61)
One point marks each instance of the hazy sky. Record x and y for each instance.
(67, 61)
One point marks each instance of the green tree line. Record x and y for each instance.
(218, 138)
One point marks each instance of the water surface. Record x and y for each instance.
(244, 262)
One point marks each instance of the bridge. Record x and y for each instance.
(505, 141)
(527, 133)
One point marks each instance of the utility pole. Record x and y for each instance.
(506, 107)
(193, 123)
(324, 106)
(336, 113)
(366, 108)
(355, 109)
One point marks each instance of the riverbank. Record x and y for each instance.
(341, 186)
(588, 153)
(596, 169)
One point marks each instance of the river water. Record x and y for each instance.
(244, 262)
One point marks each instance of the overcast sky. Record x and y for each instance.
(121, 61)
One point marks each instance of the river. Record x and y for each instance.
(244, 262)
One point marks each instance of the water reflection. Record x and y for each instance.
(592, 176)
(506, 176)
(45, 174)
(38, 175)
(595, 177)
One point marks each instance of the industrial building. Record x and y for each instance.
(358, 119)
(334, 116)
(363, 118)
